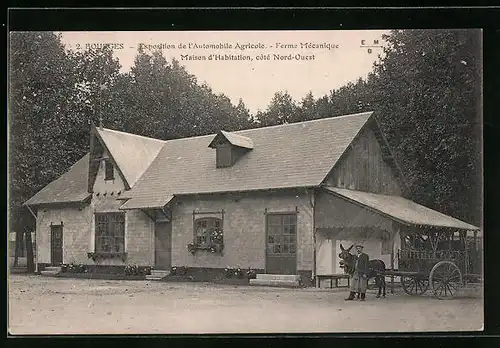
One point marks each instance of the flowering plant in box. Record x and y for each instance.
(191, 248)
(216, 241)
(216, 248)
(217, 236)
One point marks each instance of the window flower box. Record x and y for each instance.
(107, 255)
(212, 248)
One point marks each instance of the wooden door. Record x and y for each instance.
(56, 244)
(163, 245)
(281, 240)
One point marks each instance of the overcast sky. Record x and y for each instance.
(314, 67)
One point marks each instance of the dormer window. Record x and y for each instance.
(109, 170)
(229, 148)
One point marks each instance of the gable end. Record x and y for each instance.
(97, 149)
(368, 164)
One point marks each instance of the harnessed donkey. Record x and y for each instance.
(348, 260)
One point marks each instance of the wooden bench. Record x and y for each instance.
(333, 278)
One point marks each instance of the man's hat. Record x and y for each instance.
(359, 246)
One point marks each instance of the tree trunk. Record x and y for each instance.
(18, 248)
(30, 262)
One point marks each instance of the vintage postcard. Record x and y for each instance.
(184, 182)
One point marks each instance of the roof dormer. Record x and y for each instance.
(229, 148)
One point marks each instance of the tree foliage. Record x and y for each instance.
(428, 89)
(55, 94)
(425, 90)
(427, 93)
(281, 110)
(40, 110)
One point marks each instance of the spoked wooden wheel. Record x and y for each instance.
(445, 280)
(414, 286)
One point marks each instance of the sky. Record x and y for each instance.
(263, 63)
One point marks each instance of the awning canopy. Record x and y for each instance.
(145, 202)
(401, 209)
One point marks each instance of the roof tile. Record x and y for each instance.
(284, 156)
(69, 187)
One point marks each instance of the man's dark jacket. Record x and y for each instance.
(361, 265)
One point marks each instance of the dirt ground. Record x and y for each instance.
(45, 305)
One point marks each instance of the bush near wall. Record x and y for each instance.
(132, 272)
(228, 275)
(74, 268)
(136, 270)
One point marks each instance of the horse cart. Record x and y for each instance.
(440, 261)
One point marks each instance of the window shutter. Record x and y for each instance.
(91, 247)
(109, 170)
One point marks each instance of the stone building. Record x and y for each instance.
(276, 199)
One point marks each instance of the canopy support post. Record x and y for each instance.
(395, 231)
(466, 254)
(434, 237)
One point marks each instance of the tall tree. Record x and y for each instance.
(54, 94)
(428, 90)
(427, 93)
(243, 118)
(168, 102)
(41, 86)
(281, 110)
(96, 73)
(306, 110)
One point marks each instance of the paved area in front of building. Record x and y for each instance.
(43, 305)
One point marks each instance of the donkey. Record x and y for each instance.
(347, 261)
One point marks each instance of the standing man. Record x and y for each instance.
(359, 280)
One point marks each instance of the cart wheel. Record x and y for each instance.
(414, 286)
(445, 280)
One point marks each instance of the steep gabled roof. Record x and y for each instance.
(284, 156)
(69, 187)
(132, 153)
